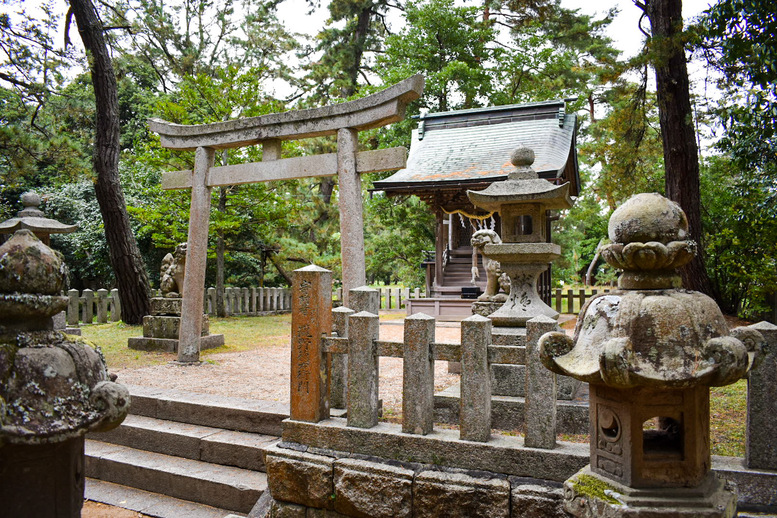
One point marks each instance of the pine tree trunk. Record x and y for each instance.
(681, 158)
(126, 261)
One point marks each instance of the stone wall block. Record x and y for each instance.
(371, 490)
(475, 410)
(761, 452)
(363, 370)
(300, 478)
(286, 510)
(418, 375)
(439, 494)
(540, 410)
(536, 499)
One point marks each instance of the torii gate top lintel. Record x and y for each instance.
(369, 112)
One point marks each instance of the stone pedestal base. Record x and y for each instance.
(588, 495)
(484, 309)
(170, 345)
(42, 481)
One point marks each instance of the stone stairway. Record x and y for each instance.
(181, 454)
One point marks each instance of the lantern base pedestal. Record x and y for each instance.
(588, 495)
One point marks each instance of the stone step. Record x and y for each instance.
(225, 487)
(196, 442)
(228, 413)
(507, 413)
(150, 504)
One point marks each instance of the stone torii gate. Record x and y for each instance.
(344, 120)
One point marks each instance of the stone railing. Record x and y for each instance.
(334, 372)
(354, 386)
(102, 306)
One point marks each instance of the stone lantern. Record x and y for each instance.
(32, 218)
(523, 202)
(650, 351)
(54, 387)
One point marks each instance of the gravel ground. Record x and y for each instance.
(263, 373)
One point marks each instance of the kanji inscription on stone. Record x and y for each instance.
(311, 320)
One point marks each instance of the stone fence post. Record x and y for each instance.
(363, 370)
(102, 306)
(311, 320)
(540, 414)
(88, 309)
(475, 411)
(761, 452)
(115, 305)
(72, 307)
(338, 387)
(418, 375)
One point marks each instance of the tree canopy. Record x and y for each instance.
(198, 61)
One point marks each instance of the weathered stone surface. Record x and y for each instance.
(762, 404)
(351, 213)
(286, 510)
(300, 478)
(587, 495)
(475, 412)
(501, 454)
(338, 386)
(418, 375)
(540, 429)
(311, 319)
(437, 494)
(166, 306)
(364, 298)
(29, 266)
(170, 345)
(371, 490)
(536, 499)
(508, 380)
(196, 259)
(168, 326)
(363, 370)
(756, 489)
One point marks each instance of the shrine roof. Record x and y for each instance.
(461, 148)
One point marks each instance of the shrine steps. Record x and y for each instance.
(200, 449)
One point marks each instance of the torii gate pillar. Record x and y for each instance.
(344, 120)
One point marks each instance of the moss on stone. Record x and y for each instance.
(593, 487)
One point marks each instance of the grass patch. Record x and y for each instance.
(240, 334)
(728, 416)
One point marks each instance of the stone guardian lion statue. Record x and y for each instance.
(171, 272)
(495, 278)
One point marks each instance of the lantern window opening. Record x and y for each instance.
(662, 437)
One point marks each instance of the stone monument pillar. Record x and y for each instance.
(53, 388)
(650, 351)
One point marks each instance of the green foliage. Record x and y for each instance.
(740, 233)
(737, 38)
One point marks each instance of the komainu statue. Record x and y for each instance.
(495, 278)
(171, 272)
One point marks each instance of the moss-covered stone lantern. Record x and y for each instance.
(54, 387)
(650, 351)
(523, 202)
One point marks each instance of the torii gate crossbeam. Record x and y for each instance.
(344, 120)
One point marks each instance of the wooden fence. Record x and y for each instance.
(102, 306)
